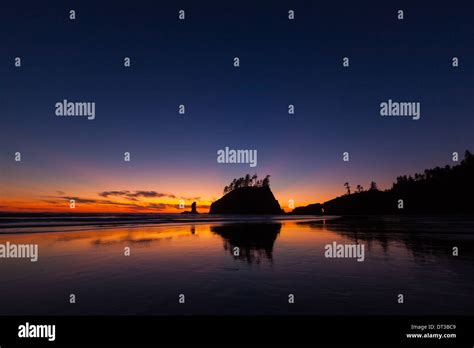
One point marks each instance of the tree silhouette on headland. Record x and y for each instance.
(247, 181)
(348, 188)
(373, 186)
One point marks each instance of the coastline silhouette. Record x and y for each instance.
(437, 190)
(440, 190)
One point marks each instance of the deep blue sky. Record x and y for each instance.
(190, 62)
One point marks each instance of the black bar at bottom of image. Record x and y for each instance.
(289, 330)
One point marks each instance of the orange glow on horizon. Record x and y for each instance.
(114, 207)
(166, 206)
(19, 195)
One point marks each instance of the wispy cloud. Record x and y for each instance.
(80, 200)
(132, 203)
(134, 195)
(137, 206)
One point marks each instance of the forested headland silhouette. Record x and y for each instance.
(448, 189)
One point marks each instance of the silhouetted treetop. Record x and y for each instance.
(348, 187)
(373, 186)
(247, 181)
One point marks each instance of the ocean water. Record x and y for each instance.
(195, 256)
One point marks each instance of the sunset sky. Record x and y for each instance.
(190, 62)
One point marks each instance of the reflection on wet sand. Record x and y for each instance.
(424, 238)
(273, 258)
(251, 242)
(137, 236)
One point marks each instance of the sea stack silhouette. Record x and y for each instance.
(193, 209)
(247, 195)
